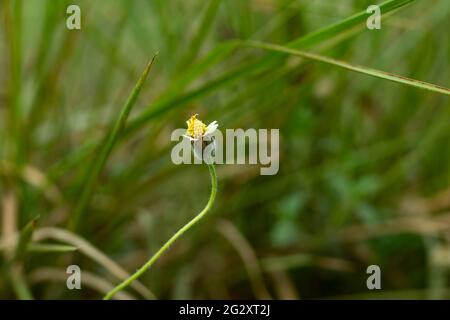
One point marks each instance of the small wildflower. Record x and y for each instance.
(197, 130)
(201, 137)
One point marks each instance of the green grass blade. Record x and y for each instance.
(342, 26)
(111, 138)
(24, 239)
(17, 278)
(180, 100)
(202, 32)
(357, 68)
(192, 72)
(20, 285)
(49, 248)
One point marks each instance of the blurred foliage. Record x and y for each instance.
(364, 163)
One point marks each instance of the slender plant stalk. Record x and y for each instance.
(159, 253)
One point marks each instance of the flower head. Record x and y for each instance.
(197, 130)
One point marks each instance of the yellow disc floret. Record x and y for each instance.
(196, 128)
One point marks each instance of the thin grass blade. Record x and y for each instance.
(110, 140)
(353, 67)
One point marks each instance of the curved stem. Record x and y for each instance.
(149, 263)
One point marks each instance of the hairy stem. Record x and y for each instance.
(159, 253)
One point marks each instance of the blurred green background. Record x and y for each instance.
(364, 163)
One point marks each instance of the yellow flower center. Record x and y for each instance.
(196, 128)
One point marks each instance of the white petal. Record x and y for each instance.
(190, 138)
(211, 128)
(214, 123)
